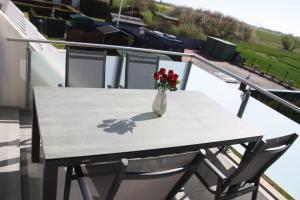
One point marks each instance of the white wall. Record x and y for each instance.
(12, 67)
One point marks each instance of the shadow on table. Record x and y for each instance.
(122, 126)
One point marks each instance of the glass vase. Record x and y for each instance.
(159, 105)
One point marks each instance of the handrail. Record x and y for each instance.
(242, 80)
(245, 81)
(104, 46)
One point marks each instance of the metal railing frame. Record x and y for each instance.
(192, 56)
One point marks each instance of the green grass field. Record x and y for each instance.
(266, 51)
(268, 38)
(117, 2)
(164, 8)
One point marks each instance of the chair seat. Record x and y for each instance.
(228, 180)
(222, 162)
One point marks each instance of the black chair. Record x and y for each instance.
(226, 180)
(146, 178)
(85, 68)
(139, 70)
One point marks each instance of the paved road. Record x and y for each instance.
(254, 78)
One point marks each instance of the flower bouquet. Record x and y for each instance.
(164, 82)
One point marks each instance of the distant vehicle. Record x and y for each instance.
(225, 77)
(162, 41)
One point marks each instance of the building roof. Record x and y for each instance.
(165, 16)
(165, 36)
(127, 19)
(220, 40)
(107, 29)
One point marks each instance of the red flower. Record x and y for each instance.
(162, 71)
(170, 77)
(164, 78)
(171, 72)
(172, 84)
(156, 76)
(175, 77)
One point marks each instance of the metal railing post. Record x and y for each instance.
(28, 74)
(245, 97)
(186, 75)
(119, 70)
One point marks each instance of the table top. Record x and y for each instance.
(79, 122)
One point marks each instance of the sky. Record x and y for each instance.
(278, 15)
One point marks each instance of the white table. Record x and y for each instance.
(79, 126)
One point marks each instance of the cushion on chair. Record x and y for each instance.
(222, 163)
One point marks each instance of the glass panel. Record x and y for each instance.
(178, 67)
(273, 124)
(122, 78)
(48, 69)
(265, 119)
(111, 69)
(227, 95)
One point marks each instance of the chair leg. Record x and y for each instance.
(68, 181)
(255, 192)
(218, 192)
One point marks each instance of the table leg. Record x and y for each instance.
(250, 147)
(35, 140)
(50, 180)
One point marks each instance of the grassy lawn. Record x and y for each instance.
(59, 46)
(281, 61)
(164, 8)
(97, 19)
(26, 15)
(117, 2)
(266, 51)
(148, 16)
(268, 38)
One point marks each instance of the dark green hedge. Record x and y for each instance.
(94, 8)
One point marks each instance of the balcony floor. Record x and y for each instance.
(31, 176)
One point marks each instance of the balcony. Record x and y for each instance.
(27, 63)
(46, 68)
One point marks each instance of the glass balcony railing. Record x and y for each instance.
(48, 69)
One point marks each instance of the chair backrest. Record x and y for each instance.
(139, 70)
(145, 178)
(157, 177)
(262, 157)
(85, 68)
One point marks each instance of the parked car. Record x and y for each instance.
(162, 41)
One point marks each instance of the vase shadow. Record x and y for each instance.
(123, 126)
